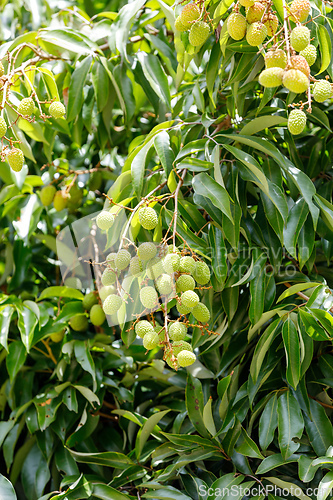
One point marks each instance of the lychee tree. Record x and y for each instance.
(196, 139)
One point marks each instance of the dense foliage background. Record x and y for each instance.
(95, 416)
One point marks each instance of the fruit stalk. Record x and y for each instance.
(285, 26)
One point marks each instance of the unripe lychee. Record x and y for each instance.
(300, 38)
(171, 263)
(57, 109)
(75, 197)
(182, 309)
(276, 59)
(187, 264)
(60, 200)
(15, 158)
(189, 299)
(300, 10)
(236, 26)
(142, 327)
(108, 277)
(73, 282)
(105, 291)
(322, 90)
(89, 300)
(300, 63)
(104, 220)
(57, 336)
(79, 322)
(186, 358)
(255, 12)
(179, 25)
(199, 33)
(3, 127)
(97, 315)
(177, 331)
(164, 284)
(148, 297)
(310, 54)
(296, 121)
(184, 283)
(112, 304)
(148, 217)
(271, 24)
(256, 34)
(26, 106)
(111, 260)
(123, 259)
(2, 69)
(147, 251)
(190, 13)
(181, 345)
(201, 313)
(246, 3)
(135, 266)
(201, 273)
(271, 77)
(295, 81)
(154, 268)
(150, 340)
(47, 195)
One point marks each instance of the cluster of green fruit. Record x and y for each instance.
(61, 198)
(282, 66)
(79, 322)
(191, 20)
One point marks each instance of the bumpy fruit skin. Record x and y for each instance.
(97, 315)
(201, 273)
(147, 251)
(310, 54)
(104, 220)
(255, 13)
(79, 322)
(271, 77)
(184, 283)
(256, 34)
(181, 345)
(300, 38)
(179, 25)
(296, 121)
(47, 194)
(150, 340)
(111, 260)
(246, 3)
(60, 200)
(164, 284)
(89, 300)
(26, 106)
(171, 263)
(300, 10)
(57, 109)
(57, 336)
(276, 59)
(236, 26)
(295, 81)
(148, 297)
(108, 277)
(187, 264)
(3, 127)
(105, 291)
(201, 313)
(135, 266)
(190, 13)
(148, 218)
(177, 331)
(271, 24)
(142, 327)
(112, 304)
(186, 358)
(322, 90)
(300, 63)
(190, 299)
(123, 259)
(15, 158)
(73, 282)
(182, 309)
(154, 268)
(199, 33)
(2, 69)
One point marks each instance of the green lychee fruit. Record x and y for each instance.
(171, 263)
(57, 336)
(108, 277)
(79, 323)
(26, 106)
(300, 10)
(112, 304)
(295, 81)
(186, 358)
(322, 90)
(300, 38)
(179, 25)
(310, 54)
(154, 268)
(190, 13)
(73, 282)
(276, 59)
(105, 291)
(300, 63)
(296, 121)
(2, 69)
(181, 345)
(57, 109)
(177, 331)
(15, 158)
(60, 200)
(201, 313)
(150, 340)
(236, 26)
(189, 299)
(147, 251)
(142, 327)
(97, 315)
(255, 12)
(123, 259)
(199, 33)
(104, 220)
(47, 194)
(182, 309)
(184, 283)
(89, 300)
(246, 3)
(271, 77)
(164, 284)
(256, 34)
(3, 127)
(148, 217)
(201, 273)
(148, 297)
(111, 260)
(187, 264)
(271, 22)
(135, 266)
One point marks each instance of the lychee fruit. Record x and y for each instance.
(186, 358)
(179, 25)
(201, 313)
(295, 81)
(201, 273)
(73, 282)
(135, 266)
(3, 127)
(47, 195)
(89, 300)
(189, 299)
(60, 200)
(276, 59)
(322, 90)
(15, 158)
(236, 26)
(271, 24)
(142, 327)
(256, 34)
(79, 322)
(310, 54)
(271, 77)
(108, 277)
(300, 38)
(105, 291)
(148, 217)
(299, 62)
(26, 106)
(57, 109)
(300, 10)
(184, 283)
(123, 259)
(177, 331)
(164, 284)
(255, 12)
(148, 297)
(187, 264)
(150, 340)
(104, 220)
(171, 263)
(296, 121)
(112, 304)
(97, 315)
(147, 251)
(190, 13)
(246, 3)
(199, 33)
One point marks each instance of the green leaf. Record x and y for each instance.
(273, 461)
(7, 489)
(75, 93)
(299, 287)
(262, 122)
(306, 468)
(219, 253)
(207, 416)
(105, 492)
(15, 358)
(221, 9)
(290, 424)
(61, 291)
(138, 168)
(122, 24)
(325, 48)
(194, 404)
(156, 76)
(311, 326)
(6, 313)
(268, 423)
(107, 458)
(318, 428)
(83, 356)
(257, 291)
(251, 165)
(248, 447)
(293, 489)
(100, 80)
(227, 482)
(292, 349)
(146, 431)
(262, 347)
(164, 151)
(27, 322)
(205, 186)
(297, 216)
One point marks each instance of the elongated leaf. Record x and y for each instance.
(205, 186)
(27, 322)
(164, 151)
(299, 287)
(273, 461)
(6, 313)
(194, 404)
(290, 424)
(147, 429)
(292, 349)
(293, 489)
(156, 76)
(325, 48)
(75, 94)
(248, 447)
(15, 359)
(107, 458)
(268, 423)
(318, 428)
(6, 489)
(123, 22)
